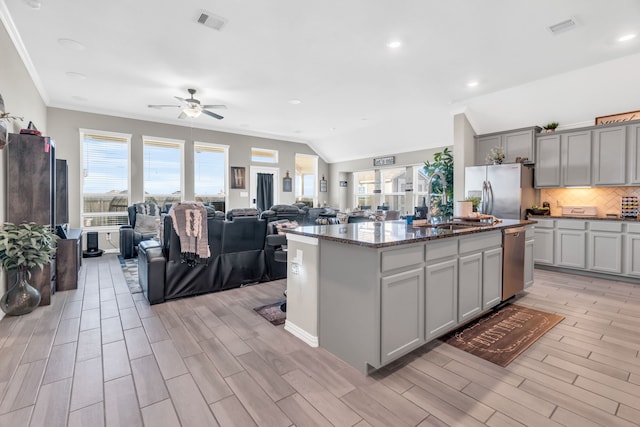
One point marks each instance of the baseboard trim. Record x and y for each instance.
(301, 334)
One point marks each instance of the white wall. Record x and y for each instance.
(21, 98)
(463, 152)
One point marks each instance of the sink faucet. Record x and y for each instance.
(444, 193)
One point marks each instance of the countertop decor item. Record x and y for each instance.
(495, 156)
(24, 247)
(550, 127)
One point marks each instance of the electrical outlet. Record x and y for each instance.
(108, 236)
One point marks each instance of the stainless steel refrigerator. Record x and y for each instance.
(506, 191)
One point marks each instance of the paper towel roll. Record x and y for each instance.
(462, 209)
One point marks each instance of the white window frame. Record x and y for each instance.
(265, 150)
(355, 189)
(178, 142)
(393, 193)
(225, 148)
(108, 134)
(301, 180)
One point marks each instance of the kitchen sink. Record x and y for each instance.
(453, 226)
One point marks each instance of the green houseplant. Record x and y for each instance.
(550, 127)
(475, 202)
(443, 163)
(24, 247)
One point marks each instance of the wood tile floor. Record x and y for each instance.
(100, 356)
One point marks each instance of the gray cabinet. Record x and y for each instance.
(470, 286)
(529, 248)
(441, 297)
(514, 143)
(571, 243)
(548, 167)
(632, 249)
(576, 159)
(492, 278)
(605, 252)
(634, 138)
(401, 330)
(563, 160)
(543, 249)
(610, 156)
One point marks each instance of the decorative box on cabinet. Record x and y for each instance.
(514, 143)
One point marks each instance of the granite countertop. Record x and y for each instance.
(393, 233)
(586, 218)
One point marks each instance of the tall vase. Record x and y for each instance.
(21, 298)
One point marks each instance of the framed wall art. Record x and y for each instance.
(323, 185)
(287, 183)
(238, 177)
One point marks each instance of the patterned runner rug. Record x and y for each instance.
(130, 270)
(501, 336)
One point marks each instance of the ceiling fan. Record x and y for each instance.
(192, 108)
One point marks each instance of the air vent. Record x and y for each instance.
(211, 20)
(562, 26)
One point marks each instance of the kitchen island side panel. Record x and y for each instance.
(349, 298)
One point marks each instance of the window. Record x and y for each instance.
(209, 168)
(264, 155)
(306, 178)
(393, 188)
(105, 178)
(420, 186)
(162, 170)
(365, 189)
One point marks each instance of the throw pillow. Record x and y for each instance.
(146, 223)
(147, 209)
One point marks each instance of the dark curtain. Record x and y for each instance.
(264, 191)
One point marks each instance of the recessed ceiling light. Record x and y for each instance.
(394, 44)
(71, 44)
(294, 101)
(33, 4)
(473, 83)
(77, 76)
(627, 37)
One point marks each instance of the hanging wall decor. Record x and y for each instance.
(323, 185)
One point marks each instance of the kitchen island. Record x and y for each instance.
(372, 292)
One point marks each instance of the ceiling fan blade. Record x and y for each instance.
(182, 115)
(180, 99)
(215, 107)
(209, 113)
(159, 106)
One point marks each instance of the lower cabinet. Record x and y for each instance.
(605, 252)
(441, 297)
(543, 249)
(632, 249)
(529, 248)
(570, 248)
(492, 278)
(470, 286)
(401, 330)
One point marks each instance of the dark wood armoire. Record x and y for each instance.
(31, 182)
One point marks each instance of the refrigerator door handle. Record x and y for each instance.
(490, 197)
(483, 206)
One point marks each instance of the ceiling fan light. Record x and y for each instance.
(192, 112)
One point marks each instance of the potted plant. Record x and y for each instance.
(495, 156)
(443, 163)
(475, 202)
(550, 127)
(24, 247)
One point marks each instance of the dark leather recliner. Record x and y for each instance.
(237, 258)
(130, 238)
(278, 212)
(275, 251)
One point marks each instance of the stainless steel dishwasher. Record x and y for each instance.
(512, 261)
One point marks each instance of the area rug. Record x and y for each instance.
(130, 269)
(501, 336)
(272, 313)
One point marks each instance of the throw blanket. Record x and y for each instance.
(190, 223)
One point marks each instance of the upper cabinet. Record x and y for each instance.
(610, 156)
(515, 143)
(605, 156)
(563, 159)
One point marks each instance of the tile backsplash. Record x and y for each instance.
(607, 199)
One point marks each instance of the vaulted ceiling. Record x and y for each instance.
(357, 95)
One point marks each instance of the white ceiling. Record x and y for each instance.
(359, 97)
